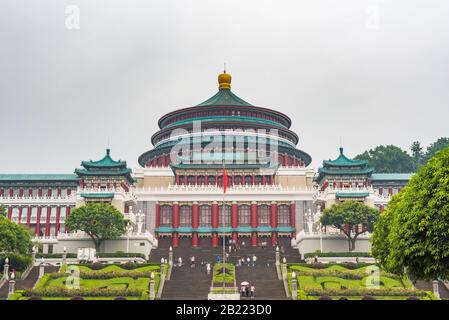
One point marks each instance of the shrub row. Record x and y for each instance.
(365, 292)
(118, 254)
(347, 265)
(95, 292)
(331, 273)
(89, 275)
(125, 266)
(16, 261)
(338, 254)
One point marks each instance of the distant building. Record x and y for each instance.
(271, 195)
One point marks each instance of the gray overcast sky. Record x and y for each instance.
(374, 72)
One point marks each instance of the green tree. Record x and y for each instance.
(440, 144)
(417, 154)
(2, 211)
(413, 231)
(99, 220)
(14, 237)
(388, 159)
(352, 217)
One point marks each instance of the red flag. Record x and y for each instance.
(225, 180)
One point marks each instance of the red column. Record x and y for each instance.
(21, 192)
(49, 192)
(195, 239)
(59, 192)
(196, 180)
(254, 239)
(253, 180)
(274, 238)
(67, 215)
(177, 180)
(38, 220)
(274, 215)
(390, 191)
(215, 223)
(1, 192)
(264, 180)
(234, 215)
(58, 218)
(175, 240)
(292, 214)
(254, 215)
(11, 192)
(39, 192)
(29, 216)
(185, 180)
(215, 215)
(9, 213)
(47, 226)
(175, 220)
(69, 191)
(20, 215)
(206, 180)
(158, 214)
(195, 215)
(214, 239)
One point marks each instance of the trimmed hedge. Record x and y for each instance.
(118, 254)
(366, 292)
(319, 265)
(125, 266)
(93, 275)
(338, 254)
(83, 292)
(16, 261)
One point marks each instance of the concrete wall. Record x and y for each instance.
(137, 244)
(331, 244)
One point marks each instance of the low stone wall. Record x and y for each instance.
(331, 243)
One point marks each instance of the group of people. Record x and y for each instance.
(250, 262)
(248, 291)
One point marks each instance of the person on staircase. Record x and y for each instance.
(208, 268)
(179, 262)
(253, 292)
(254, 260)
(192, 262)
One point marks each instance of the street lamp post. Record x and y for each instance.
(170, 256)
(12, 284)
(6, 269)
(294, 286)
(152, 293)
(129, 229)
(64, 256)
(42, 268)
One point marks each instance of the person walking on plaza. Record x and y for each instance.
(208, 268)
(248, 261)
(254, 260)
(192, 262)
(253, 291)
(179, 262)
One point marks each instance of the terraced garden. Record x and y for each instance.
(352, 281)
(99, 282)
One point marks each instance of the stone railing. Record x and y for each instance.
(219, 189)
(37, 200)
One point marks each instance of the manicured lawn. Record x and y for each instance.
(341, 278)
(112, 277)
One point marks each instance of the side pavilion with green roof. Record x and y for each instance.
(344, 173)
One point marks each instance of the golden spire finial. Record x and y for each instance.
(224, 80)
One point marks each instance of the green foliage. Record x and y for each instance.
(16, 261)
(417, 154)
(388, 159)
(14, 237)
(413, 231)
(83, 292)
(337, 254)
(439, 145)
(2, 211)
(229, 275)
(99, 220)
(347, 215)
(365, 291)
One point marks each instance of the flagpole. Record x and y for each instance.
(224, 226)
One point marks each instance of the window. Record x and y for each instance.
(227, 215)
(258, 180)
(264, 215)
(185, 216)
(248, 180)
(238, 180)
(205, 216)
(191, 180)
(244, 215)
(211, 180)
(201, 180)
(284, 215)
(165, 216)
